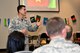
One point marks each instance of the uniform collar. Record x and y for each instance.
(58, 41)
(21, 18)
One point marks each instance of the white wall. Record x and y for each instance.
(8, 9)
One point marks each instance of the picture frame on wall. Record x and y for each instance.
(41, 5)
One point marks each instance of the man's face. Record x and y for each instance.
(23, 11)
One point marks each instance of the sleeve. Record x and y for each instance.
(36, 51)
(32, 28)
(12, 26)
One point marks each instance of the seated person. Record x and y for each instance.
(57, 32)
(15, 42)
(44, 39)
(69, 32)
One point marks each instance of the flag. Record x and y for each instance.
(32, 19)
(38, 18)
(5, 24)
(45, 20)
(65, 21)
(73, 18)
(8, 21)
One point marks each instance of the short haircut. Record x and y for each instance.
(20, 7)
(55, 26)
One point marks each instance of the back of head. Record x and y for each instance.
(55, 26)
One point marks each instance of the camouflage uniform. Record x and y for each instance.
(18, 24)
(59, 45)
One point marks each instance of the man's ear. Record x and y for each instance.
(64, 32)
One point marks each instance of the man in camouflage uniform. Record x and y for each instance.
(19, 25)
(57, 32)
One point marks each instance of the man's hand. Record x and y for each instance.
(38, 23)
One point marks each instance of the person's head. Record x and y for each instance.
(68, 28)
(21, 9)
(55, 27)
(69, 32)
(43, 35)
